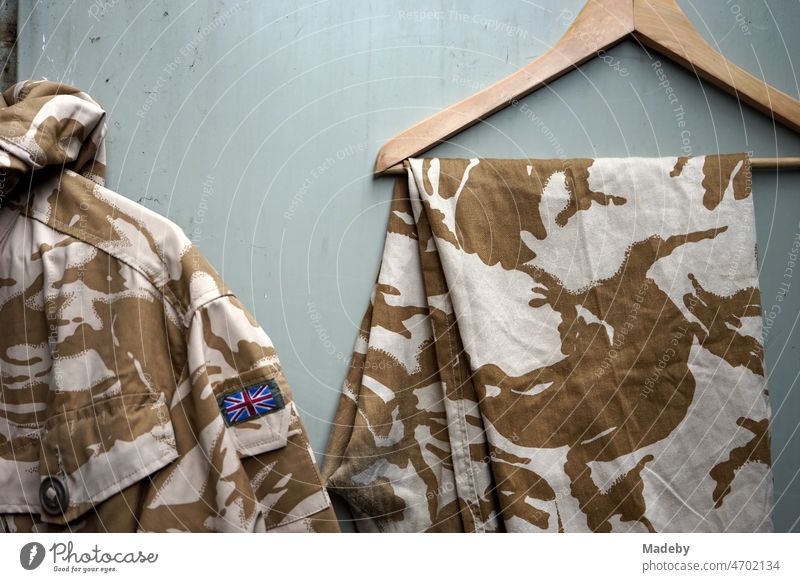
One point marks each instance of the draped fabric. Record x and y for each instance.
(561, 345)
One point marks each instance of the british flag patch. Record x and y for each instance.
(251, 402)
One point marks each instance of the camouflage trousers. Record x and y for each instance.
(561, 345)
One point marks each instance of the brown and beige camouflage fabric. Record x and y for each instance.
(561, 346)
(118, 339)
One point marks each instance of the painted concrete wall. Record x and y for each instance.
(254, 125)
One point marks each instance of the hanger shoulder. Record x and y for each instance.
(601, 24)
(657, 24)
(662, 26)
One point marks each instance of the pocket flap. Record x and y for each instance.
(90, 454)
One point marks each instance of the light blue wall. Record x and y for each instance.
(254, 125)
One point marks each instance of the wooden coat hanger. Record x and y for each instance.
(658, 24)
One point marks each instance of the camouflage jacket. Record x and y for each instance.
(561, 345)
(138, 394)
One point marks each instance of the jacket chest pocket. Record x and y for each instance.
(87, 455)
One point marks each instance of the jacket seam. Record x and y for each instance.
(23, 148)
(317, 476)
(186, 312)
(306, 515)
(188, 316)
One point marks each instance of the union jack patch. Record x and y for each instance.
(251, 402)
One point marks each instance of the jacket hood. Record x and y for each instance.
(44, 123)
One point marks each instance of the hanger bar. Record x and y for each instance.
(657, 24)
(784, 163)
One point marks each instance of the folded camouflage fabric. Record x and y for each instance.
(136, 391)
(561, 345)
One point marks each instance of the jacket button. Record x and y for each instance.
(53, 496)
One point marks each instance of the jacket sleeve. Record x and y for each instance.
(234, 367)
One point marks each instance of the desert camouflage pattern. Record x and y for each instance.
(561, 346)
(118, 338)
